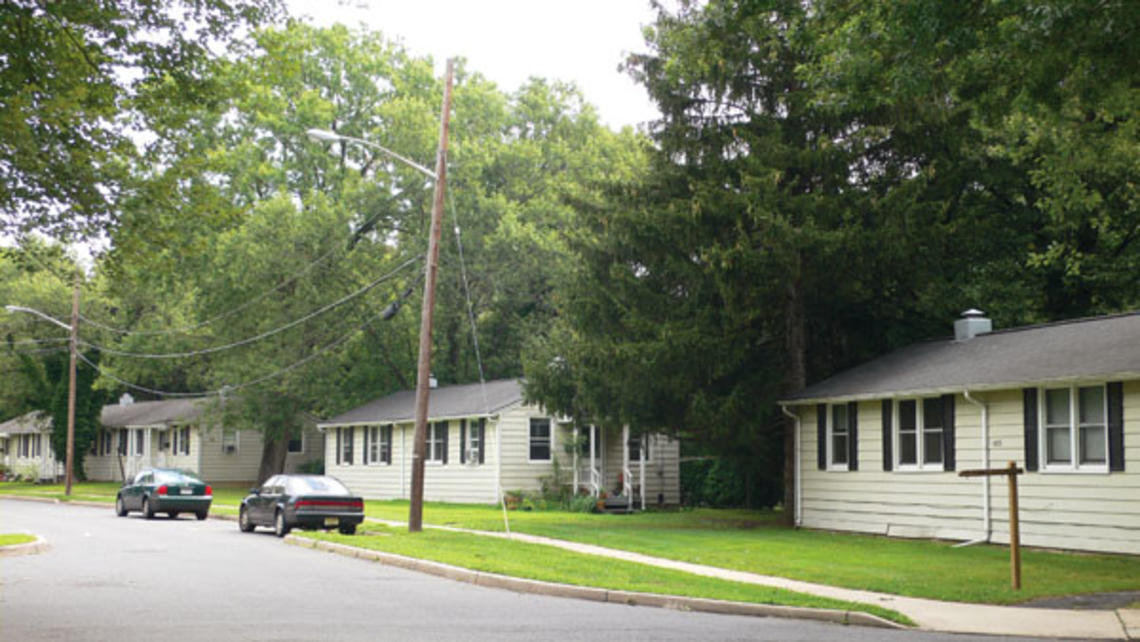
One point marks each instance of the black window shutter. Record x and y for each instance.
(386, 438)
(1115, 393)
(888, 439)
(482, 437)
(948, 461)
(1029, 403)
(351, 437)
(338, 451)
(821, 435)
(463, 441)
(852, 436)
(444, 427)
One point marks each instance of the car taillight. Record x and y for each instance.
(209, 491)
(357, 503)
(162, 490)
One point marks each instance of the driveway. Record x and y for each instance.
(110, 578)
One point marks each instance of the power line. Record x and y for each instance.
(231, 388)
(225, 315)
(263, 335)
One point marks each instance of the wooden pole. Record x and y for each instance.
(71, 387)
(1014, 530)
(419, 446)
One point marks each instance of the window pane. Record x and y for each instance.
(1091, 408)
(839, 420)
(1057, 407)
(540, 439)
(932, 447)
(908, 448)
(839, 449)
(1093, 445)
(932, 413)
(1057, 448)
(907, 416)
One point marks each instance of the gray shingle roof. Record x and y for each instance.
(32, 422)
(153, 413)
(447, 402)
(1104, 348)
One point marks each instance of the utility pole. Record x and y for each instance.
(71, 386)
(419, 447)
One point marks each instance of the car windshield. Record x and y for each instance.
(174, 477)
(315, 486)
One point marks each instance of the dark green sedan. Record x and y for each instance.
(164, 490)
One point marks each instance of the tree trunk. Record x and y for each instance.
(272, 457)
(797, 380)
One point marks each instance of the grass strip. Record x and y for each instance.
(754, 541)
(550, 564)
(12, 539)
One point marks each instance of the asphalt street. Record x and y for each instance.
(126, 579)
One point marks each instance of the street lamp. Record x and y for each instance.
(325, 136)
(423, 372)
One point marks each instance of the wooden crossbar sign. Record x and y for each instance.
(1011, 472)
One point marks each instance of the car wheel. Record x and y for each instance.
(280, 528)
(244, 524)
(347, 529)
(146, 508)
(201, 515)
(172, 514)
(120, 507)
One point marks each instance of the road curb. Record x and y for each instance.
(630, 598)
(29, 548)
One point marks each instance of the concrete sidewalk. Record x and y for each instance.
(931, 615)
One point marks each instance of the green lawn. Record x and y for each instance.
(754, 541)
(11, 539)
(538, 562)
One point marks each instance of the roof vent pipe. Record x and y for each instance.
(972, 323)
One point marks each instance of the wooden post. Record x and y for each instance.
(1014, 530)
(1011, 471)
(419, 444)
(71, 388)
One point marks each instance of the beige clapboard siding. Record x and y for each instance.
(453, 482)
(519, 472)
(106, 467)
(239, 466)
(312, 448)
(1086, 511)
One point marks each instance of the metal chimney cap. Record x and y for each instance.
(973, 313)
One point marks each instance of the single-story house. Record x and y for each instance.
(183, 433)
(880, 446)
(25, 442)
(484, 439)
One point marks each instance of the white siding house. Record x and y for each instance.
(181, 433)
(880, 446)
(26, 445)
(483, 438)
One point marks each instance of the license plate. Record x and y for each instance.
(187, 491)
(330, 521)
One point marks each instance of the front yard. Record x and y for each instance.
(751, 541)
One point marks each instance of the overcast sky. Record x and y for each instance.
(508, 41)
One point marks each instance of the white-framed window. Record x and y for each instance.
(635, 449)
(437, 442)
(1073, 429)
(344, 445)
(838, 437)
(140, 441)
(920, 429)
(378, 444)
(472, 438)
(539, 439)
(229, 440)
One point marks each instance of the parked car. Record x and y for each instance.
(285, 502)
(164, 490)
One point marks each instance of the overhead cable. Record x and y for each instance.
(263, 335)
